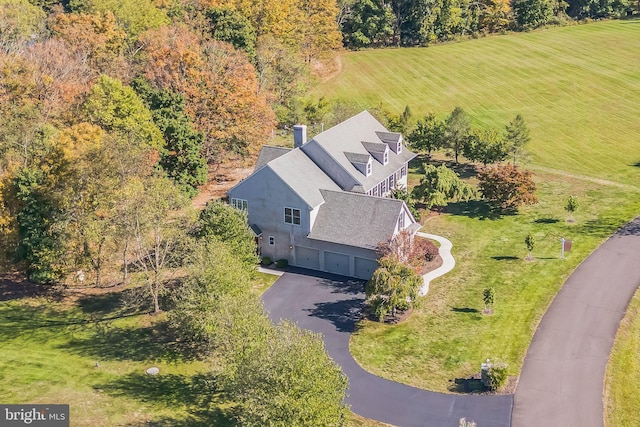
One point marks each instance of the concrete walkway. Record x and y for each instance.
(448, 262)
(562, 379)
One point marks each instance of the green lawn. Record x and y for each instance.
(50, 349)
(623, 372)
(92, 353)
(577, 88)
(448, 336)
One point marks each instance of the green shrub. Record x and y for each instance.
(282, 263)
(497, 375)
(266, 261)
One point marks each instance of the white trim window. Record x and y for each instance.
(385, 157)
(401, 221)
(239, 204)
(403, 171)
(292, 216)
(272, 241)
(392, 181)
(368, 168)
(384, 187)
(375, 191)
(399, 147)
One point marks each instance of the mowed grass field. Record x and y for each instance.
(577, 87)
(623, 372)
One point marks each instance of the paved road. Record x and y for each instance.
(562, 378)
(331, 305)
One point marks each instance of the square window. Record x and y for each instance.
(292, 216)
(272, 241)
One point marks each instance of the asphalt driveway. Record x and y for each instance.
(562, 378)
(331, 305)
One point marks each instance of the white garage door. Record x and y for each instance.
(364, 267)
(336, 263)
(307, 257)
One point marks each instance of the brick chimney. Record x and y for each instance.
(299, 135)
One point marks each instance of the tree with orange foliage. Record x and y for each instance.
(94, 37)
(219, 86)
(506, 187)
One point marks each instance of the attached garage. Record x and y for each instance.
(307, 258)
(336, 263)
(364, 267)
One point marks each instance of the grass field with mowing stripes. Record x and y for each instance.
(577, 87)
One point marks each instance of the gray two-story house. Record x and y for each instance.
(322, 204)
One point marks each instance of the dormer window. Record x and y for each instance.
(385, 158)
(369, 168)
(399, 147)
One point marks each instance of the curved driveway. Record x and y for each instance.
(561, 382)
(331, 305)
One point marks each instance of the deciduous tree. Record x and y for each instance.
(486, 146)
(428, 135)
(506, 187)
(158, 230)
(457, 129)
(393, 286)
(221, 221)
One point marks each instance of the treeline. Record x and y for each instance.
(111, 109)
(377, 23)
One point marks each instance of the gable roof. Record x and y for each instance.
(268, 153)
(356, 219)
(303, 176)
(344, 140)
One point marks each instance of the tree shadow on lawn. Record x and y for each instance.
(479, 209)
(14, 286)
(342, 314)
(200, 394)
(546, 221)
(604, 227)
(150, 343)
(505, 258)
(22, 320)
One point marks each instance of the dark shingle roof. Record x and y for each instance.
(356, 219)
(388, 137)
(375, 147)
(358, 158)
(268, 153)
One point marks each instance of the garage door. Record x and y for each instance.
(364, 267)
(308, 258)
(336, 263)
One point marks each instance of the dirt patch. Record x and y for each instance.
(327, 68)
(219, 182)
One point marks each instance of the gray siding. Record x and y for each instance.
(267, 196)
